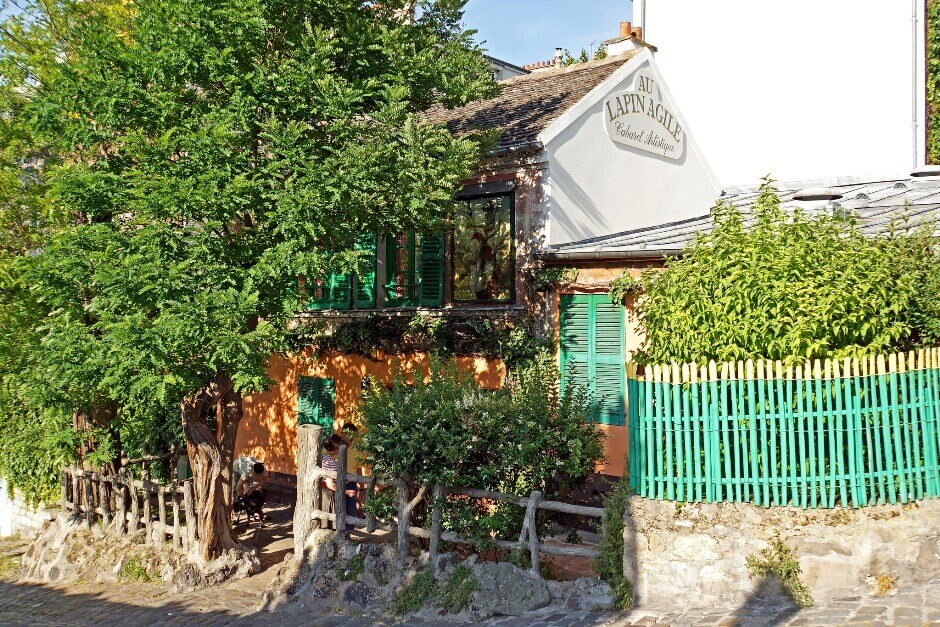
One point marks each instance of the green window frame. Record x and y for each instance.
(415, 269)
(592, 352)
(316, 402)
(342, 291)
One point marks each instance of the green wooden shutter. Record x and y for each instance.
(336, 293)
(607, 371)
(592, 351)
(365, 283)
(316, 402)
(432, 271)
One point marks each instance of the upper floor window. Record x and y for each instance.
(347, 291)
(415, 269)
(482, 257)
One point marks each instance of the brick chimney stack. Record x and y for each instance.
(626, 29)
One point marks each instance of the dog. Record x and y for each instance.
(251, 504)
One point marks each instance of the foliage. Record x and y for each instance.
(549, 276)
(454, 595)
(778, 560)
(609, 561)
(169, 167)
(349, 570)
(622, 286)
(414, 594)
(791, 286)
(133, 570)
(34, 449)
(443, 428)
(933, 81)
(511, 340)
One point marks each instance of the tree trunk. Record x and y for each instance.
(211, 462)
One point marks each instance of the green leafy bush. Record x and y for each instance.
(446, 429)
(791, 285)
(778, 560)
(414, 594)
(933, 81)
(609, 561)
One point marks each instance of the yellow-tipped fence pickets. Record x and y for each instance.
(846, 433)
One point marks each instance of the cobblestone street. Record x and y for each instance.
(87, 603)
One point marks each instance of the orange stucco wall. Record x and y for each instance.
(268, 430)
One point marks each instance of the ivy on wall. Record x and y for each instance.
(508, 338)
(933, 81)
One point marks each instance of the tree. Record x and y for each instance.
(207, 154)
(790, 285)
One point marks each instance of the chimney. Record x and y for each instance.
(626, 30)
(637, 32)
(559, 56)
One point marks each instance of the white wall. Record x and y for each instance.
(801, 89)
(598, 187)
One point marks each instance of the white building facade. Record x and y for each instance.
(805, 89)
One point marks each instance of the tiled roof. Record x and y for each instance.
(528, 104)
(875, 204)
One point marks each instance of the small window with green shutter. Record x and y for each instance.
(316, 402)
(592, 352)
(415, 264)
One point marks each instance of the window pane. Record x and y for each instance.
(483, 265)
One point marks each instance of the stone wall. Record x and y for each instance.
(17, 517)
(695, 553)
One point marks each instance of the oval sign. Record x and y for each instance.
(639, 118)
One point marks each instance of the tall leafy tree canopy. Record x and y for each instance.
(192, 159)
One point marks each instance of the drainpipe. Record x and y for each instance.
(639, 17)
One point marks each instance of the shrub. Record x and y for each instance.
(778, 560)
(791, 285)
(413, 595)
(609, 561)
(446, 429)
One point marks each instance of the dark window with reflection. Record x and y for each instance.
(483, 249)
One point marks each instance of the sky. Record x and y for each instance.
(525, 31)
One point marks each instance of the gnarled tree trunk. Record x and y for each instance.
(210, 457)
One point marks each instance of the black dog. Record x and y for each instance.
(251, 504)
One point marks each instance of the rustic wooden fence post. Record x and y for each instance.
(145, 483)
(134, 523)
(530, 511)
(190, 511)
(76, 493)
(161, 512)
(434, 541)
(120, 498)
(370, 516)
(89, 500)
(64, 489)
(403, 515)
(175, 495)
(104, 491)
(340, 499)
(308, 484)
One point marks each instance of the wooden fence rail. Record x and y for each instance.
(310, 475)
(831, 433)
(124, 504)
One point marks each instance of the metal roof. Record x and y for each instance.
(876, 204)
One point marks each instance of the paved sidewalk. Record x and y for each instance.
(87, 603)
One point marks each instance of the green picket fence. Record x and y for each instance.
(826, 434)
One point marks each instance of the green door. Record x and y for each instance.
(316, 402)
(592, 352)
